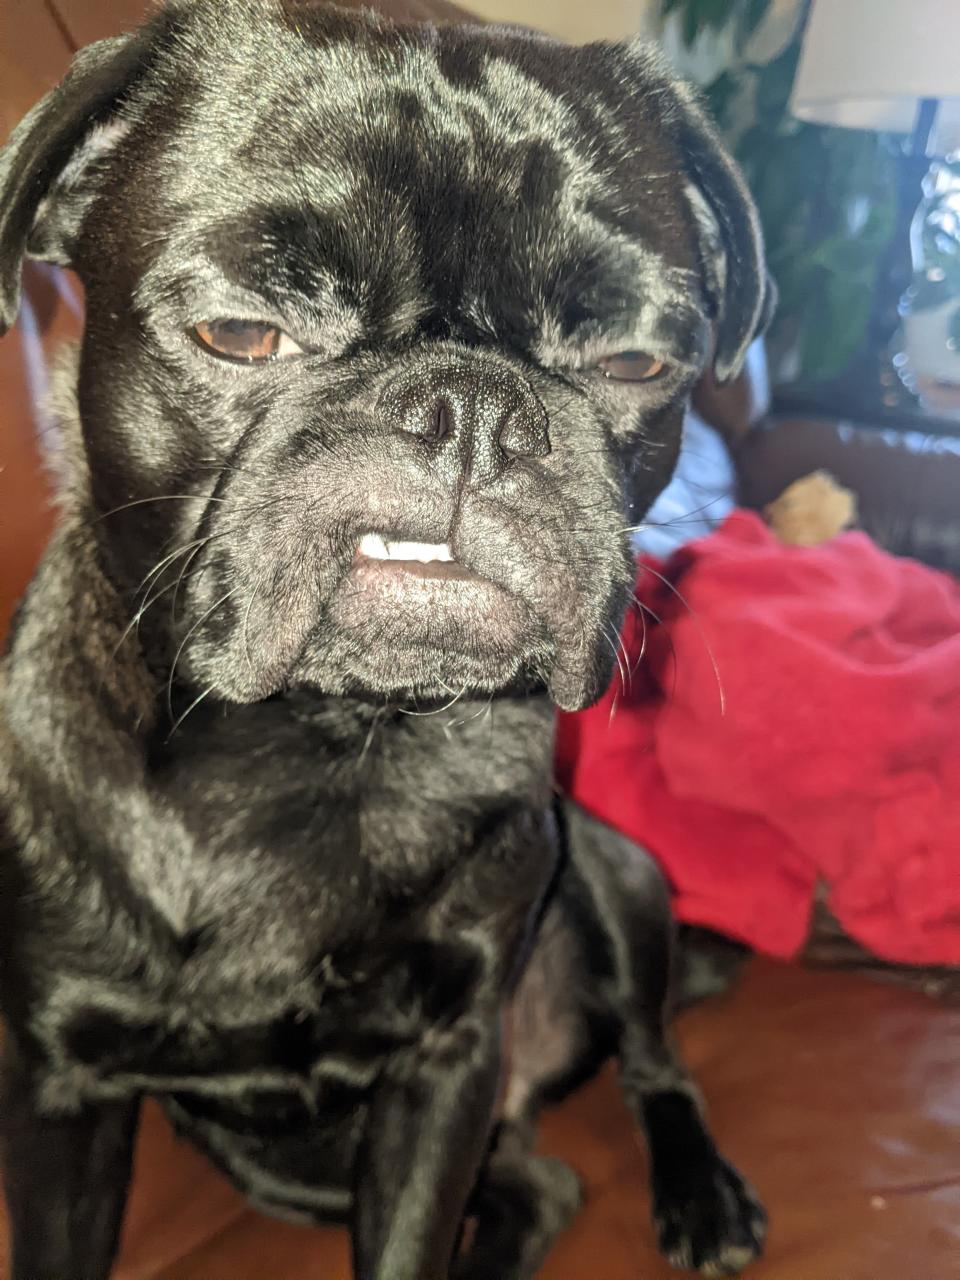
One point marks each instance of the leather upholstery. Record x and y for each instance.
(907, 483)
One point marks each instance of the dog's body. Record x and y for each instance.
(284, 854)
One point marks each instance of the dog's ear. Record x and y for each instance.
(645, 95)
(739, 289)
(48, 169)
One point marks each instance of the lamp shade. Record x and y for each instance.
(867, 64)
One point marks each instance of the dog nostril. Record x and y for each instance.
(522, 436)
(442, 425)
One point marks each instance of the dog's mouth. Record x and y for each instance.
(391, 613)
(425, 596)
(376, 555)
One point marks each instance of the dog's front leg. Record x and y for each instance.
(66, 1177)
(427, 1132)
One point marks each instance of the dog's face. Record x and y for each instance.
(388, 336)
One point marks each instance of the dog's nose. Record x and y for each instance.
(480, 416)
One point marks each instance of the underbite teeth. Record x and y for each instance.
(372, 545)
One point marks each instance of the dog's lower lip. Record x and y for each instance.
(429, 606)
(450, 570)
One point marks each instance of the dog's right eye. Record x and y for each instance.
(631, 366)
(246, 341)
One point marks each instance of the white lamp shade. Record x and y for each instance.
(866, 64)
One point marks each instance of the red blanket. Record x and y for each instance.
(794, 721)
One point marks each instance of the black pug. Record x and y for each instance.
(389, 331)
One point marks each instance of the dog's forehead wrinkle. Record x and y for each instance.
(417, 61)
(338, 143)
(186, 287)
(653, 307)
(315, 84)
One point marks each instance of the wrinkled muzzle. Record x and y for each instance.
(439, 531)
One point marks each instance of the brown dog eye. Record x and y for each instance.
(249, 341)
(630, 366)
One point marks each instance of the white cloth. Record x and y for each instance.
(700, 496)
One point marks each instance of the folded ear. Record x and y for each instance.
(731, 242)
(49, 166)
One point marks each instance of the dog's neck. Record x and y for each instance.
(469, 755)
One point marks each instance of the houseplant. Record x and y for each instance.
(826, 196)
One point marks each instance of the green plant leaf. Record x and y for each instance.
(750, 16)
(720, 95)
(826, 197)
(716, 14)
(775, 85)
(834, 329)
(697, 16)
(691, 24)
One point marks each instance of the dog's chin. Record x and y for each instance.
(408, 621)
(422, 628)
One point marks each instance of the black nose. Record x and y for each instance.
(478, 415)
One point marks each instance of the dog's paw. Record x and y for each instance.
(713, 1224)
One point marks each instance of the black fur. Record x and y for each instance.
(277, 842)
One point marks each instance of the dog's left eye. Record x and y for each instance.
(631, 366)
(248, 341)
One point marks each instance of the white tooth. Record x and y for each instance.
(422, 551)
(372, 545)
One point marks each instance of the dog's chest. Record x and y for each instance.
(294, 928)
(299, 847)
(259, 1037)
(261, 855)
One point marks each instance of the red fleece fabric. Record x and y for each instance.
(794, 720)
